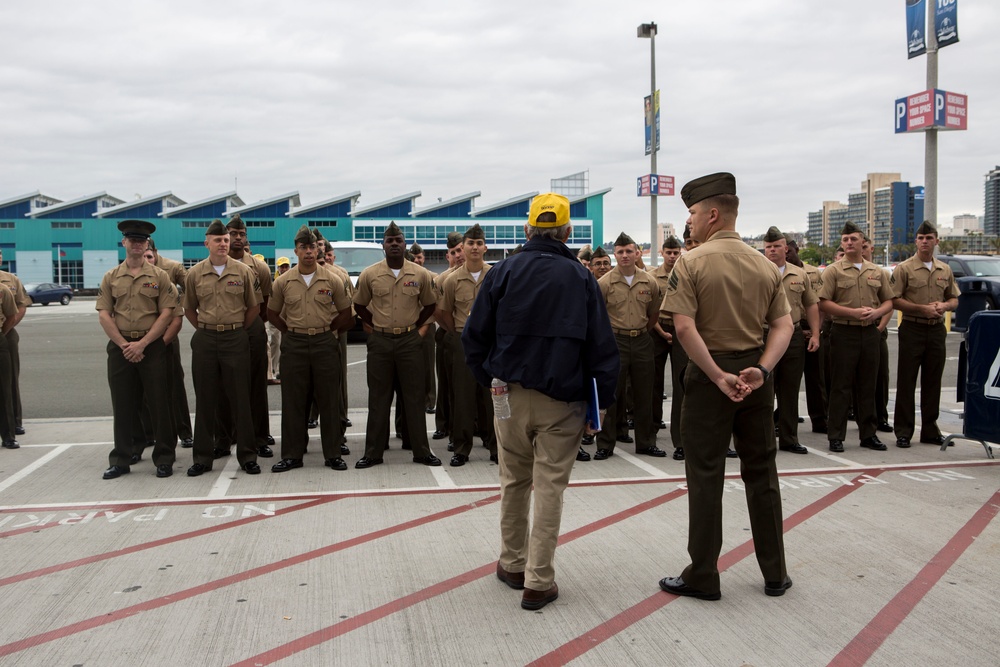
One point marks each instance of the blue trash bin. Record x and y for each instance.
(982, 380)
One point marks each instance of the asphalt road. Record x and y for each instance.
(64, 373)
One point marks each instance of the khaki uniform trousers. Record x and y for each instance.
(708, 422)
(854, 353)
(130, 384)
(395, 358)
(537, 447)
(921, 350)
(219, 370)
(312, 370)
(636, 353)
(787, 381)
(472, 406)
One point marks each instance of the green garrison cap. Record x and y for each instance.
(454, 239)
(216, 229)
(790, 241)
(136, 229)
(318, 234)
(409, 256)
(416, 249)
(671, 242)
(773, 234)
(393, 230)
(236, 222)
(585, 253)
(475, 232)
(304, 236)
(722, 183)
(624, 239)
(516, 249)
(927, 228)
(687, 233)
(599, 252)
(851, 228)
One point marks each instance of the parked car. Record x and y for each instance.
(46, 293)
(981, 267)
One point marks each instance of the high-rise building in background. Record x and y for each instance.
(991, 208)
(885, 204)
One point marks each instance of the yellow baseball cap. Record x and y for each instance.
(283, 261)
(259, 256)
(549, 202)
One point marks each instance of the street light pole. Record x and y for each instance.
(648, 30)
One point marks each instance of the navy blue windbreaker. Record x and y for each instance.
(540, 321)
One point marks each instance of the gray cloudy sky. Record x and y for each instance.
(794, 97)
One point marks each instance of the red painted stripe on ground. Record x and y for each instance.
(860, 649)
(577, 647)
(111, 617)
(399, 604)
(13, 579)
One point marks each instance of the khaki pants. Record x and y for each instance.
(537, 447)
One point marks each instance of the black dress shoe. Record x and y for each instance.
(495, 459)
(430, 411)
(884, 427)
(429, 460)
(631, 424)
(220, 452)
(676, 586)
(602, 454)
(458, 460)
(336, 464)
(114, 472)
(903, 443)
(662, 425)
(312, 423)
(625, 438)
(187, 443)
(513, 579)
(347, 423)
(874, 443)
(18, 430)
(777, 588)
(439, 435)
(678, 453)
(270, 439)
(938, 440)
(135, 459)
(198, 469)
(251, 468)
(451, 446)
(582, 455)
(264, 451)
(11, 444)
(365, 462)
(837, 446)
(802, 420)
(284, 465)
(652, 451)
(533, 600)
(731, 454)
(164, 470)
(819, 427)
(344, 450)
(796, 448)
(588, 439)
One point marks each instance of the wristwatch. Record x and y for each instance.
(763, 371)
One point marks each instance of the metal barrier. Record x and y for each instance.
(982, 381)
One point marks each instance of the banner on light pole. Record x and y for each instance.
(652, 111)
(916, 28)
(946, 22)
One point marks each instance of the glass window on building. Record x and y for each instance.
(68, 272)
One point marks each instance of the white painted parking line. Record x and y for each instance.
(32, 467)
(833, 457)
(225, 479)
(443, 479)
(642, 465)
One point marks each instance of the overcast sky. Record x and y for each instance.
(794, 97)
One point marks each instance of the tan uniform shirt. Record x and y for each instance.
(176, 270)
(264, 280)
(459, 291)
(395, 302)
(630, 307)
(848, 286)
(8, 306)
(662, 276)
(221, 299)
(136, 301)
(729, 289)
(313, 306)
(798, 291)
(13, 283)
(815, 281)
(917, 284)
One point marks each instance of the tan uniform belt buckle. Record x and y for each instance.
(634, 333)
(220, 327)
(398, 330)
(312, 331)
